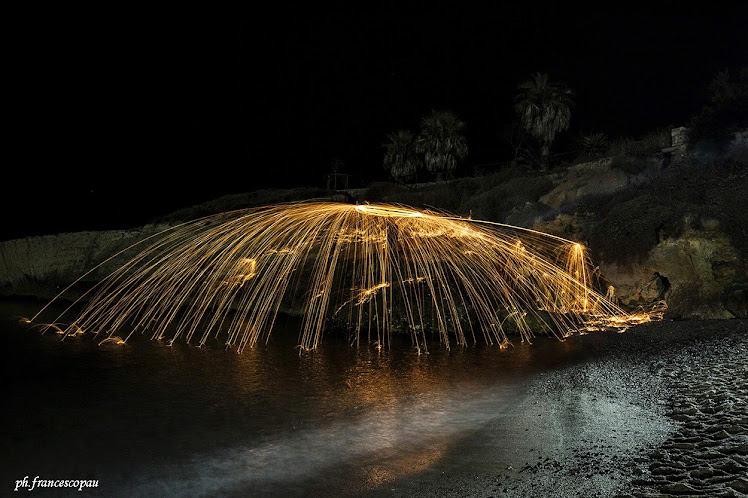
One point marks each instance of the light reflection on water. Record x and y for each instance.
(148, 419)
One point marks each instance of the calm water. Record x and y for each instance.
(148, 419)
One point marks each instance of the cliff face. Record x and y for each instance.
(42, 266)
(683, 218)
(595, 179)
(708, 272)
(705, 270)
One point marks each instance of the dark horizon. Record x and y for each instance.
(118, 118)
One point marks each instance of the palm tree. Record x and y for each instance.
(400, 156)
(515, 136)
(544, 109)
(593, 144)
(442, 142)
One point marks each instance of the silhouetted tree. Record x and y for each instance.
(544, 109)
(400, 157)
(515, 136)
(442, 143)
(727, 110)
(593, 145)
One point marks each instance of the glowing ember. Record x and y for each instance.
(372, 269)
(387, 211)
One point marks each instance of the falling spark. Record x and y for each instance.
(384, 268)
(114, 340)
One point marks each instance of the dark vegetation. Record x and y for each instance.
(643, 146)
(727, 109)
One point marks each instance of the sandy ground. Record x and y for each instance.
(664, 413)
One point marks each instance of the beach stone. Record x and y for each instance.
(724, 493)
(740, 450)
(740, 485)
(659, 454)
(644, 482)
(708, 444)
(711, 456)
(678, 488)
(682, 446)
(665, 470)
(731, 467)
(720, 480)
(702, 472)
(690, 440)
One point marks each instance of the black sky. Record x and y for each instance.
(116, 117)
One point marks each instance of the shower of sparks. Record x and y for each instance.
(374, 269)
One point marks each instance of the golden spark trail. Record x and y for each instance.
(372, 269)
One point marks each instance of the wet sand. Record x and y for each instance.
(664, 413)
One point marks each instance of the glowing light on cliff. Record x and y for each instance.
(371, 269)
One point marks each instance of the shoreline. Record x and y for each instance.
(665, 414)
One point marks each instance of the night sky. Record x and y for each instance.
(116, 117)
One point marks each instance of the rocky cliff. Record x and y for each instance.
(683, 216)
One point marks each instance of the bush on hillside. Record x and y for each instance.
(646, 145)
(727, 110)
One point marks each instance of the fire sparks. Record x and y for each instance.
(378, 268)
(387, 211)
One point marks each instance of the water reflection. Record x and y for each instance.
(151, 419)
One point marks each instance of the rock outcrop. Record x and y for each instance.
(592, 179)
(684, 219)
(701, 265)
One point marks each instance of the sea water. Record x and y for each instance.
(148, 419)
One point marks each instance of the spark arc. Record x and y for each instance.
(367, 270)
